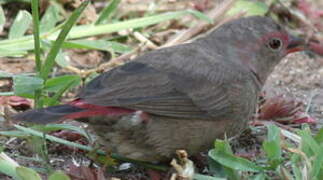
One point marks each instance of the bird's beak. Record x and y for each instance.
(295, 44)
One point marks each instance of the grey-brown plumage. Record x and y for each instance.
(188, 95)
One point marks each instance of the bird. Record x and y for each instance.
(179, 97)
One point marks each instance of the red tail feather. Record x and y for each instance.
(95, 110)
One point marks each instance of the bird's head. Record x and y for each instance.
(256, 42)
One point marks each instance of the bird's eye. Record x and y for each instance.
(275, 44)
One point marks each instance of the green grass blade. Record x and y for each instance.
(56, 127)
(25, 42)
(50, 59)
(87, 148)
(91, 30)
(201, 16)
(107, 11)
(35, 15)
(2, 19)
(102, 45)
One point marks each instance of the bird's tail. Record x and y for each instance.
(73, 110)
(48, 115)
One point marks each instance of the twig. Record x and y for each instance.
(144, 40)
(104, 66)
(301, 153)
(291, 136)
(286, 133)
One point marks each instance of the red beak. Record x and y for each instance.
(295, 44)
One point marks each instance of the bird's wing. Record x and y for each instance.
(175, 88)
(138, 86)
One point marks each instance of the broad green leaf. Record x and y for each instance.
(222, 155)
(50, 59)
(273, 133)
(8, 165)
(98, 45)
(252, 8)
(58, 175)
(204, 177)
(62, 59)
(234, 162)
(26, 84)
(2, 19)
(27, 174)
(272, 146)
(273, 153)
(107, 11)
(55, 84)
(223, 145)
(50, 18)
(20, 24)
(215, 168)
(59, 93)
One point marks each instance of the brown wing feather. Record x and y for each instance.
(138, 86)
(188, 83)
